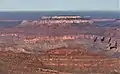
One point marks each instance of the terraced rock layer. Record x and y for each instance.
(55, 48)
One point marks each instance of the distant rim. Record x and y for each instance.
(60, 11)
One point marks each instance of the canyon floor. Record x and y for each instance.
(78, 62)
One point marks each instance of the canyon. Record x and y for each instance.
(60, 45)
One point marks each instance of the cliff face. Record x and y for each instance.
(96, 39)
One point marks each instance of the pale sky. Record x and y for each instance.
(58, 5)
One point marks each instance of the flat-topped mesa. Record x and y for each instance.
(64, 21)
(59, 20)
(61, 17)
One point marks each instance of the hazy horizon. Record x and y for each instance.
(59, 5)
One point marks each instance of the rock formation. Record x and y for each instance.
(60, 46)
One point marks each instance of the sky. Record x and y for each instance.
(58, 5)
